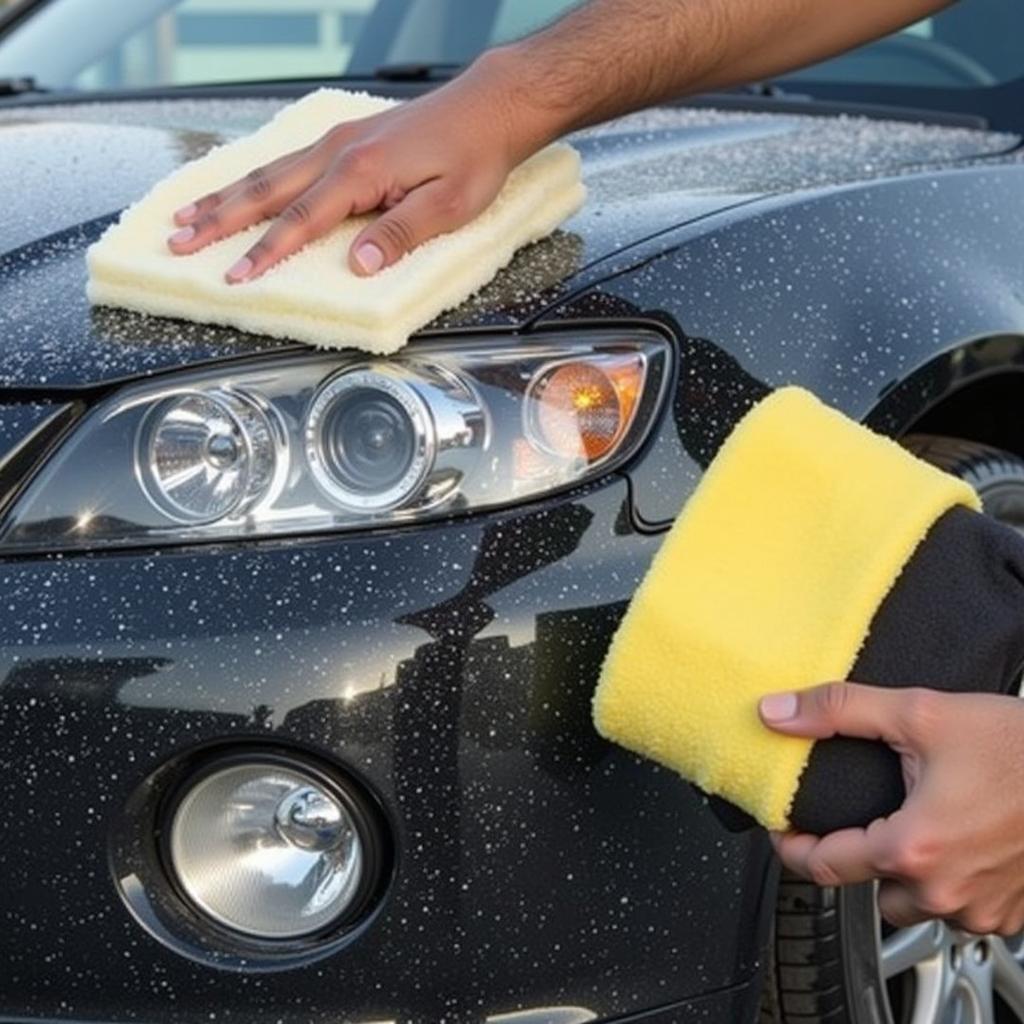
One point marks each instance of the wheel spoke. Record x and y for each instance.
(1009, 977)
(931, 992)
(983, 1001)
(908, 947)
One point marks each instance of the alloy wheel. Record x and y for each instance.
(937, 974)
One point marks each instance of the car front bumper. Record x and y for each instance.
(449, 669)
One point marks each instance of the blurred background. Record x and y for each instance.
(130, 44)
(176, 42)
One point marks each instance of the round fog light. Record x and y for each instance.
(267, 850)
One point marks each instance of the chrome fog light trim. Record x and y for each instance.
(321, 804)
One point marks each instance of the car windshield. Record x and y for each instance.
(113, 44)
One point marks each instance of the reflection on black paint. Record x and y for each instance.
(427, 729)
(570, 650)
(713, 395)
(94, 680)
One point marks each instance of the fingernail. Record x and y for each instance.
(779, 707)
(240, 271)
(182, 236)
(369, 257)
(186, 212)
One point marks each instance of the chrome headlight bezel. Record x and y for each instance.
(465, 400)
(448, 417)
(422, 450)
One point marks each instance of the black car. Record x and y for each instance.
(299, 731)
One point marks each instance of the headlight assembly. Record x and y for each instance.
(316, 442)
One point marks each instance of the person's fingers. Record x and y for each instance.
(898, 906)
(253, 182)
(843, 858)
(264, 194)
(849, 709)
(1013, 921)
(840, 858)
(312, 159)
(430, 210)
(903, 906)
(305, 219)
(793, 848)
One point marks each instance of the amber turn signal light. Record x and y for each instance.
(583, 408)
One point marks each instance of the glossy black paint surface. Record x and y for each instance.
(450, 668)
(27, 429)
(537, 865)
(17, 421)
(865, 294)
(647, 175)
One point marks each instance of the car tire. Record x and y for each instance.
(831, 959)
(997, 475)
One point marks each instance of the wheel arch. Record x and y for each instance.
(974, 391)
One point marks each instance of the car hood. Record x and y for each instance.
(68, 170)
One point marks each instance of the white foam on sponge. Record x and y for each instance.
(313, 296)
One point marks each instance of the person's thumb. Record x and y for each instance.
(427, 211)
(847, 709)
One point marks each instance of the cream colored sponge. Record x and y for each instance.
(768, 581)
(313, 296)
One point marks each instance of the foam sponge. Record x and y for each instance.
(769, 580)
(313, 296)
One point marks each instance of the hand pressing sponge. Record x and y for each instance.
(772, 579)
(313, 296)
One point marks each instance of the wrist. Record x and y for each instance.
(499, 82)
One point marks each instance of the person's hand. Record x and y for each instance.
(955, 849)
(431, 165)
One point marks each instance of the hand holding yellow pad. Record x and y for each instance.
(768, 581)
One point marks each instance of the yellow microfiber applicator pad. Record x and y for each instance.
(313, 296)
(768, 581)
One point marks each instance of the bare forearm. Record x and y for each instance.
(435, 163)
(613, 56)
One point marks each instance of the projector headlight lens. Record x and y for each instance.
(204, 456)
(370, 440)
(267, 850)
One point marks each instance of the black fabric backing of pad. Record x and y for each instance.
(953, 621)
